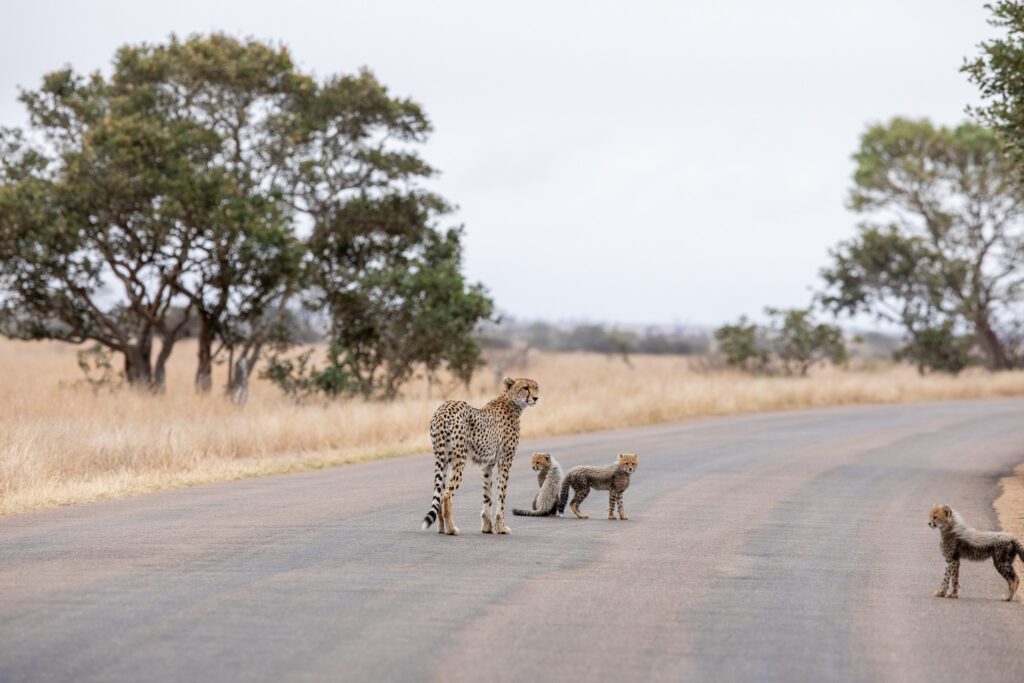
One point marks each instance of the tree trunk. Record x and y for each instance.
(138, 369)
(238, 376)
(990, 344)
(204, 365)
(159, 383)
(240, 382)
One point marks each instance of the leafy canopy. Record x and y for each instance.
(209, 179)
(943, 244)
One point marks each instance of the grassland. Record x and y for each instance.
(61, 443)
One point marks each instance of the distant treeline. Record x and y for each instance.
(594, 337)
(650, 339)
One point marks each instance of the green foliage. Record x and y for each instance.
(998, 72)
(945, 246)
(302, 381)
(799, 342)
(743, 346)
(90, 216)
(937, 348)
(791, 344)
(405, 310)
(189, 178)
(288, 148)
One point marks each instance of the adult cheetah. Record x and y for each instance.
(489, 436)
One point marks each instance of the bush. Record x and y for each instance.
(743, 345)
(938, 349)
(791, 344)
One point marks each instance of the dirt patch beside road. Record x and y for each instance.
(1010, 504)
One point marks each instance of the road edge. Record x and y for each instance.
(1009, 505)
(295, 463)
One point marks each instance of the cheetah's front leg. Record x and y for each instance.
(622, 512)
(944, 586)
(954, 579)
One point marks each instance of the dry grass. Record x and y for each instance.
(61, 444)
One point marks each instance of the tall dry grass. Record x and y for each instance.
(61, 443)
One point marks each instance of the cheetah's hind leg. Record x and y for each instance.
(1012, 581)
(446, 509)
(581, 495)
(485, 514)
(576, 511)
(442, 517)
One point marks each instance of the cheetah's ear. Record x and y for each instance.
(508, 382)
(948, 510)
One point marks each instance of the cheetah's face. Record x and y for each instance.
(941, 516)
(523, 391)
(540, 461)
(627, 462)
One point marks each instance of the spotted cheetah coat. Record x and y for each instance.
(489, 436)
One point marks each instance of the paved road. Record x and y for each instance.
(776, 547)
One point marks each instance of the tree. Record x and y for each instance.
(998, 72)
(389, 317)
(799, 342)
(250, 98)
(293, 148)
(90, 216)
(211, 176)
(945, 246)
(743, 345)
(791, 343)
(937, 348)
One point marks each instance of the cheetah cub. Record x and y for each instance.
(549, 478)
(960, 541)
(613, 478)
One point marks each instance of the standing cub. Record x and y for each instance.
(549, 478)
(613, 478)
(961, 541)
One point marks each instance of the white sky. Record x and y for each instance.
(622, 162)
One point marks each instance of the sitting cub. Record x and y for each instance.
(549, 478)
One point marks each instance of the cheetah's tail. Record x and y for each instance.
(435, 508)
(563, 497)
(535, 513)
(435, 503)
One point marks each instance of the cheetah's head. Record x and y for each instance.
(627, 462)
(524, 392)
(540, 461)
(941, 516)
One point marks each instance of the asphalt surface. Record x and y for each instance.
(776, 547)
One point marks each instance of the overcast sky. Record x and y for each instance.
(622, 162)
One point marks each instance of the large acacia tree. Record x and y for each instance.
(942, 250)
(92, 203)
(223, 171)
(294, 149)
